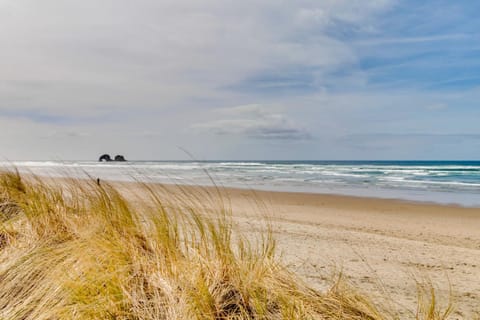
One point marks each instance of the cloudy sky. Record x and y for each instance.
(222, 79)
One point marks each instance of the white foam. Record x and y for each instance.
(395, 178)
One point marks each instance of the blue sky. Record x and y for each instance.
(308, 79)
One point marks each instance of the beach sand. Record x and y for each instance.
(381, 246)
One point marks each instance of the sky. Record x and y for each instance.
(222, 79)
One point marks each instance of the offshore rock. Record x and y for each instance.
(119, 157)
(105, 157)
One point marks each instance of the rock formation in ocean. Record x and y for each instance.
(119, 157)
(105, 157)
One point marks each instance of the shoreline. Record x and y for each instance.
(442, 182)
(338, 196)
(350, 196)
(280, 190)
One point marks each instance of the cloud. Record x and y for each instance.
(255, 121)
(81, 56)
(35, 116)
(413, 40)
(410, 140)
(66, 134)
(49, 117)
(132, 74)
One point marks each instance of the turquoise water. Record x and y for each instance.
(453, 182)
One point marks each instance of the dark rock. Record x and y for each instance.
(105, 157)
(120, 158)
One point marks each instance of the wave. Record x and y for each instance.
(400, 178)
(249, 164)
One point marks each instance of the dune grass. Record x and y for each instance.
(78, 250)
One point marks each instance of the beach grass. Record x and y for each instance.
(76, 249)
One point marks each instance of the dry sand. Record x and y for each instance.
(380, 245)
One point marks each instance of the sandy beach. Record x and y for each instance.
(381, 246)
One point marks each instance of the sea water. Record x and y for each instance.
(446, 182)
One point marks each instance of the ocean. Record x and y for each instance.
(444, 182)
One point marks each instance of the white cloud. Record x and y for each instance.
(255, 121)
(115, 67)
(77, 56)
(413, 40)
(122, 72)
